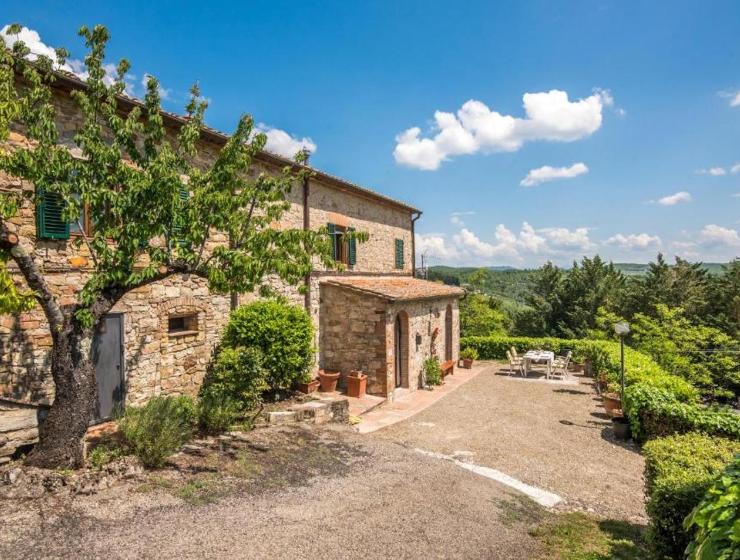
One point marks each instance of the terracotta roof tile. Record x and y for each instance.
(395, 288)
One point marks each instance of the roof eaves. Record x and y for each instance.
(219, 137)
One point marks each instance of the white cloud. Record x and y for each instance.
(456, 217)
(677, 198)
(735, 168)
(435, 246)
(714, 171)
(733, 96)
(281, 143)
(736, 195)
(548, 173)
(569, 239)
(717, 235)
(549, 116)
(467, 247)
(634, 241)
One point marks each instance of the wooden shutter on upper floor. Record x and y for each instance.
(179, 220)
(49, 221)
(399, 253)
(334, 247)
(352, 248)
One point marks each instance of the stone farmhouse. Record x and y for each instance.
(373, 316)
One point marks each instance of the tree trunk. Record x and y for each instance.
(61, 433)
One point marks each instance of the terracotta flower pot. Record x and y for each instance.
(309, 387)
(328, 381)
(356, 384)
(467, 363)
(612, 403)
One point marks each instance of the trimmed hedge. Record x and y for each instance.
(714, 521)
(678, 471)
(655, 412)
(604, 355)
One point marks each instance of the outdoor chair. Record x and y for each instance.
(515, 364)
(560, 365)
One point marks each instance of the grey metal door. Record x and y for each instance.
(108, 360)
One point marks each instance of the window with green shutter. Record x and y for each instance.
(399, 253)
(49, 221)
(352, 248)
(180, 218)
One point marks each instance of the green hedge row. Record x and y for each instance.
(655, 412)
(603, 354)
(678, 471)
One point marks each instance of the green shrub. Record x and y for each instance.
(469, 353)
(678, 471)
(216, 414)
(715, 521)
(236, 374)
(156, 430)
(102, 454)
(433, 371)
(284, 333)
(655, 412)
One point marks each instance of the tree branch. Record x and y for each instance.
(34, 278)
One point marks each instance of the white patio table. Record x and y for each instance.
(538, 356)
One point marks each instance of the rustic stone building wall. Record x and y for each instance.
(352, 335)
(358, 333)
(425, 318)
(156, 362)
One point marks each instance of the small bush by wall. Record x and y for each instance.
(678, 471)
(433, 371)
(284, 334)
(714, 522)
(156, 430)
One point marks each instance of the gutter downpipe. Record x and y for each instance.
(413, 242)
(306, 227)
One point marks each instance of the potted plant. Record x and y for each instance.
(612, 403)
(621, 427)
(356, 384)
(467, 355)
(328, 381)
(308, 384)
(601, 382)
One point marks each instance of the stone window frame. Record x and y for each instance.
(184, 307)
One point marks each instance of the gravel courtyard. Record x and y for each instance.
(332, 493)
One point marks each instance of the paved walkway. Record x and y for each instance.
(408, 404)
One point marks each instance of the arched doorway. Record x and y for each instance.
(401, 350)
(448, 333)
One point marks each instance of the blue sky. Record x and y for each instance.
(630, 105)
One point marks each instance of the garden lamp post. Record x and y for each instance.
(622, 329)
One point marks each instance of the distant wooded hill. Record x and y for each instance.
(511, 283)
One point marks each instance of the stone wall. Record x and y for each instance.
(358, 332)
(352, 335)
(156, 363)
(427, 319)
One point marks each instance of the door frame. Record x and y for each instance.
(121, 318)
(398, 351)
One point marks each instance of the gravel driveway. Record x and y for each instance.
(328, 492)
(550, 435)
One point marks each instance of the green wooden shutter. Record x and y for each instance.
(49, 221)
(352, 248)
(334, 246)
(399, 253)
(179, 221)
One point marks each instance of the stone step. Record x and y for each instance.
(314, 412)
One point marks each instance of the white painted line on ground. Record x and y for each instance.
(542, 497)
